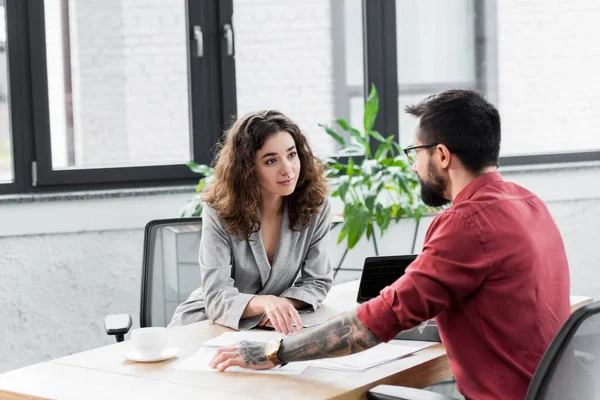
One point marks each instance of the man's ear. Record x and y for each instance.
(444, 155)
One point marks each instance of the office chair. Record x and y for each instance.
(170, 273)
(569, 369)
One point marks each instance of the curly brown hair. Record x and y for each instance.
(235, 192)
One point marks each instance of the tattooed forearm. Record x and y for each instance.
(339, 337)
(252, 352)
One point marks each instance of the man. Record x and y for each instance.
(493, 270)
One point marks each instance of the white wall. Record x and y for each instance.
(56, 287)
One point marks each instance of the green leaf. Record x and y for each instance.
(356, 225)
(356, 134)
(403, 183)
(371, 109)
(333, 134)
(343, 124)
(200, 168)
(381, 152)
(369, 228)
(398, 148)
(350, 167)
(343, 233)
(352, 149)
(342, 189)
(377, 136)
(370, 202)
(197, 211)
(386, 161)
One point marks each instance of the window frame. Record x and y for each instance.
(19, 94)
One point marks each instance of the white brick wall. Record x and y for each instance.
(548, 62)
(284, 61)
(158, 128)
(98, 81)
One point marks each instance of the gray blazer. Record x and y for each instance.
(234, 270)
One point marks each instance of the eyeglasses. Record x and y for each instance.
(411, 151)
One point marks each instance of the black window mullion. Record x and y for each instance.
(19, 95)
(206, 110)
(39, 89)
(227, 59)
(379, 24)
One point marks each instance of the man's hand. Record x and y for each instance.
(282, 314)
(246, 355)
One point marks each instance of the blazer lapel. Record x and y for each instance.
(260, 256)
(287, 243)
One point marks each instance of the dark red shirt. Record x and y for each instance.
(494, 274)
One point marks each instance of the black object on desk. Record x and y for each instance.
(379, 272)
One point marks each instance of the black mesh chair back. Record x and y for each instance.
(570, 368)
(170, 267)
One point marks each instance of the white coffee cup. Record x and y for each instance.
(150, 341)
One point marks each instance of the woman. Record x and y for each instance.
(265, 224)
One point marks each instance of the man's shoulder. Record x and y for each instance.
(492, 196)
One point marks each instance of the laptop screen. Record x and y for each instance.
(379, 272)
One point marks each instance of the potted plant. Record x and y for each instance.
(193, 208)
(375, 184)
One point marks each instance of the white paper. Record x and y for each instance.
(373, 357)
(322, 315)
(233, 338)
(201, 359)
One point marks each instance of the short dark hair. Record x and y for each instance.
(465, 122)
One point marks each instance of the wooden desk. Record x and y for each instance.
(104, 372)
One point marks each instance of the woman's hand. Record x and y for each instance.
(265, 322)
(280, 312)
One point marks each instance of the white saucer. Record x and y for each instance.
(163, 355)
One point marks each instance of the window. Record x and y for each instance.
(99, 94)
(548, 86)
(117, 83)
(112, 94)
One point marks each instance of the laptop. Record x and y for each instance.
(379, 272)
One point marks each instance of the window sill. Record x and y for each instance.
(557, 182)
(95, 194)
(92, 211)
(39, 214)
(572, 166)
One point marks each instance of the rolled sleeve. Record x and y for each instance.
(379, 318)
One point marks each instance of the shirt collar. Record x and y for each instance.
(476, 184)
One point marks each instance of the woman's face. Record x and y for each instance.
(278, 164)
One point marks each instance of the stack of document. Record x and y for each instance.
(232, 338)
(373, 357)
(201, 359)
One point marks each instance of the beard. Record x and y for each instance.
(432, 190)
